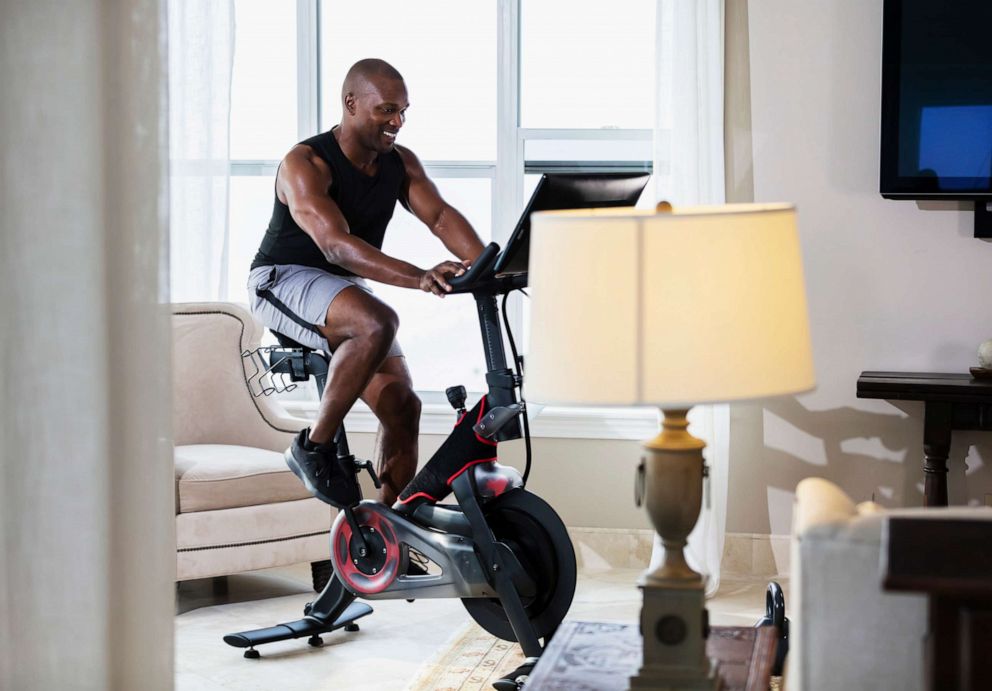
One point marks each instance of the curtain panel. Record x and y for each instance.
(201, 59)
(689, 170)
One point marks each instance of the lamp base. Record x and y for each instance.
(674, 626)
(674, 620)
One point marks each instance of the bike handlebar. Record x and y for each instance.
(477, 272)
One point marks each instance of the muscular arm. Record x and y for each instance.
(444, 220)
(302, 185)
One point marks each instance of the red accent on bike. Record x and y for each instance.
(356, 580)
(418, 494)
(469, 465)
(497, 485)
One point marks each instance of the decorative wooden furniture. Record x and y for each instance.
(951, 402)
(949, 561)
(600, 656)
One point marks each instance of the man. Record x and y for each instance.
(335, 194)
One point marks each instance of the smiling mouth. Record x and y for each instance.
(390, 135)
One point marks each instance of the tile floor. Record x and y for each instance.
(394, 642)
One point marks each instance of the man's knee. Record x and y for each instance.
(362, 317)
(386, 324)
(379, 325)
(353, 308)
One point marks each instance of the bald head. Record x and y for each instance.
(364, 72)
(374, 103)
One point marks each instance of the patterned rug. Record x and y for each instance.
(471, 661)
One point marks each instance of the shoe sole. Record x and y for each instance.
(298, 472)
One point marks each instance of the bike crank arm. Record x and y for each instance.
(501, 566)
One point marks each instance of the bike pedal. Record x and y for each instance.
(517, 678)
(367, 466)
(506, 684)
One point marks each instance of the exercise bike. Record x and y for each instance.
(501, 549)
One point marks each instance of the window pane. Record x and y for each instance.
(250, 209)
(447, 56)
(523, 342)
(588, 65)
(530, 183)
(263, 87)
(439, 337)
(587, 150)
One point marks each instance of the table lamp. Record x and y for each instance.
(670, 308)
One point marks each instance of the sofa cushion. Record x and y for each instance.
(223, 476)
(214, 543)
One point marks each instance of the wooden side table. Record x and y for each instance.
(950, 562)
(600, 656)
(951, 402)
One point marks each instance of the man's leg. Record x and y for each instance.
(360, 330)
(391, 397)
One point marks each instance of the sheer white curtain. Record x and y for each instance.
(201, 56)
(87, 544)
(689, 169)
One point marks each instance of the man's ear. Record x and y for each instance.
(349, 103)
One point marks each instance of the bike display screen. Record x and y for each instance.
(558, 192)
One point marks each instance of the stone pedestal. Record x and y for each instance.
(674, 625)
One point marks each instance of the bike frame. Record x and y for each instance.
(473, 563)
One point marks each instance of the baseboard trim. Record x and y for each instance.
(600, 549)
(745, 555)
(755, 554)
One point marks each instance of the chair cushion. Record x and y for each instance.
(224, 476)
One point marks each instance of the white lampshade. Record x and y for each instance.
(698, 305)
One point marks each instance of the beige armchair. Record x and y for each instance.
(238, 507)
(847, 631)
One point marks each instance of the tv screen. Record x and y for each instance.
(937, 99)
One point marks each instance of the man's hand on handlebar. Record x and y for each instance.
(435, 280)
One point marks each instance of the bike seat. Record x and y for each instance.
(287, 342)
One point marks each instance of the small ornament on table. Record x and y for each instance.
(984, 369)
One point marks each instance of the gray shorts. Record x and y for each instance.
(307, 293)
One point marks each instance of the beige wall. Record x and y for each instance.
(891, 285)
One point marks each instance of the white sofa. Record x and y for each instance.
(238, 507)
(846, 631)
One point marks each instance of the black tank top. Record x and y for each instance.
(367, 203)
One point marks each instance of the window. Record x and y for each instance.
(263, 86)
(446, 51)
(451, 126)
(500, 91)
(587, 69)
(264, 124)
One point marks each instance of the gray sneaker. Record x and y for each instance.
(321, 473)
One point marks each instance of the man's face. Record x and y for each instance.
(378, 112)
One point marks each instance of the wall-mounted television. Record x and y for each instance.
(937, 100)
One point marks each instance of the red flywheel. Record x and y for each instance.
(376, 569)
